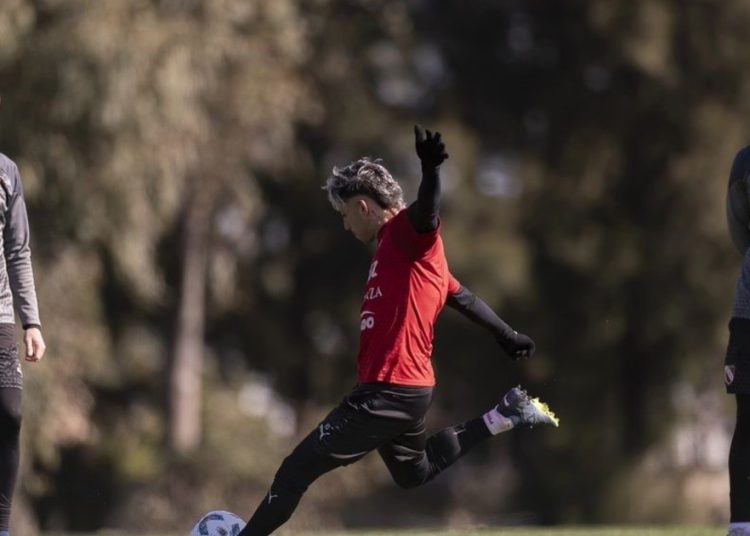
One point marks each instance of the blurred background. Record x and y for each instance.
(200, 297)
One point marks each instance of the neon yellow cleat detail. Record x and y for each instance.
(524, 411)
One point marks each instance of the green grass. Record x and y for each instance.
(566, 531)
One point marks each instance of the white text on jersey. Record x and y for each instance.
(373, 271)
(372, 293)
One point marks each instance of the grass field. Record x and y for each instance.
(570, 531)
(567, 531)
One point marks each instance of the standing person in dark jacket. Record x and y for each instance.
(17, 294)
(737, 361)
(407, 286)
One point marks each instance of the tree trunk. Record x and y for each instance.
(185, 378)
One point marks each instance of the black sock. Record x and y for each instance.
(274, 510)
(447, 446)
(298, 470)
(10, 427)
(739, 464)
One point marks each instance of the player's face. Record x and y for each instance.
(357, 218)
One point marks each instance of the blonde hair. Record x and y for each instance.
(364, 177)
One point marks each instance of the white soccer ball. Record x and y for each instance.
(218, 523)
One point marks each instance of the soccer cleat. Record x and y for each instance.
(524, 411)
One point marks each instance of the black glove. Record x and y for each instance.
(518, 346)
(430, 147)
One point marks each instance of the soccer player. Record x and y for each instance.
(737, 361)
(408, 284)
(16, 288)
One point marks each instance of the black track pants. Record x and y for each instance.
(385, 418)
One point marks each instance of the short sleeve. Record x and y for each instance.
(412, 243)
(453, 284)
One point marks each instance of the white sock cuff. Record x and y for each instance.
(495, 422)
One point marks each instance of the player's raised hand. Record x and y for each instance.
(430, 147)
(519, 346)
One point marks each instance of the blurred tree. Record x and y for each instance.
(139, 125)
(173, 153)
(622, 125)
(176, 123)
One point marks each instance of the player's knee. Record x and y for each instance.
(290, 478)
(10, 419)
(300, 469)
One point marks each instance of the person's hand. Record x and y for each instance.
(34, 342)
(430, 147)
(519, 346)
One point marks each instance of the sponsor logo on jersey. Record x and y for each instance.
(367, 320)
(372, 293)
(729, 374)
(373, 271)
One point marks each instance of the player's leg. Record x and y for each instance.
(11, 383)
(737, 379)
(739, 467)
(10, 426)
(298, 470)
(346, 435)
(414, 459)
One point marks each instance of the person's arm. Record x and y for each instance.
(424, 212)
(516, 345)
(18, 261)
(738, 201)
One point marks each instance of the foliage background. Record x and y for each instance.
(199, 296)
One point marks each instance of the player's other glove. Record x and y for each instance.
(430, 147)
(518, 346)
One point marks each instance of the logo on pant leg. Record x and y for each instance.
(325, 430)
(728, 374)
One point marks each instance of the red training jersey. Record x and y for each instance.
(407, 287)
